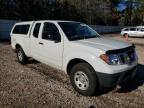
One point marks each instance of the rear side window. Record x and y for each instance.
(36, 30)
(126, 29)
(21, 29)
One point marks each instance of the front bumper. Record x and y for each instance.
(111, 80)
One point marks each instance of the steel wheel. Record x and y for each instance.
(20, 56)
(81, 80)
(84, 79)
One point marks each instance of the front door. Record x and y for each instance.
(51, 49)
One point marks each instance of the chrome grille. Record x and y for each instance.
(127, 57)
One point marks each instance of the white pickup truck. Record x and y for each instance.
(91, 61)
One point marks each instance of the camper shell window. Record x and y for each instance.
(21, 29)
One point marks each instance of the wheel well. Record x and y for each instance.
(125, 34)
(17, 46)
(72, 63)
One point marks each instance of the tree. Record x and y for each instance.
(38, 9)
(138, 14)
(6, 9)
(115, 2)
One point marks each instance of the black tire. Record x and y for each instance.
(125, 35)
(93, 86)
(22, 58)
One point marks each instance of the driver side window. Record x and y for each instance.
(50, 32)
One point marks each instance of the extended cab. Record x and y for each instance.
(91, 61)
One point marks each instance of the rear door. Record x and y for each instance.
(132, 31)
(35, 36)
(50, 50)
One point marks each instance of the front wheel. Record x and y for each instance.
(84, 79)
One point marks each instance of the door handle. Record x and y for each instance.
(40, 43)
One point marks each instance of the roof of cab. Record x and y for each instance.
(30, 22)
(140, 26)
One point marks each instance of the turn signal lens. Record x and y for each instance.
(105, 58)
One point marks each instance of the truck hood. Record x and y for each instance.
(103, 43)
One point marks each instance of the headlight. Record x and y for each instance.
(114, 60)
(111, 59)
(135, 55)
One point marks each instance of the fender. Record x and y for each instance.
(93, 60)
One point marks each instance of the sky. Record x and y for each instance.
(125, 3)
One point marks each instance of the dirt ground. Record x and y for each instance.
(37, 85)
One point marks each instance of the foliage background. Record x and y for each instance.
(99, 12)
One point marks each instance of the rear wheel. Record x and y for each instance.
(84, 79)
(22, 58)
(126, 35)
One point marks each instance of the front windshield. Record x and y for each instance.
(77, 31)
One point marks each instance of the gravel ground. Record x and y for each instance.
(37, 85)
